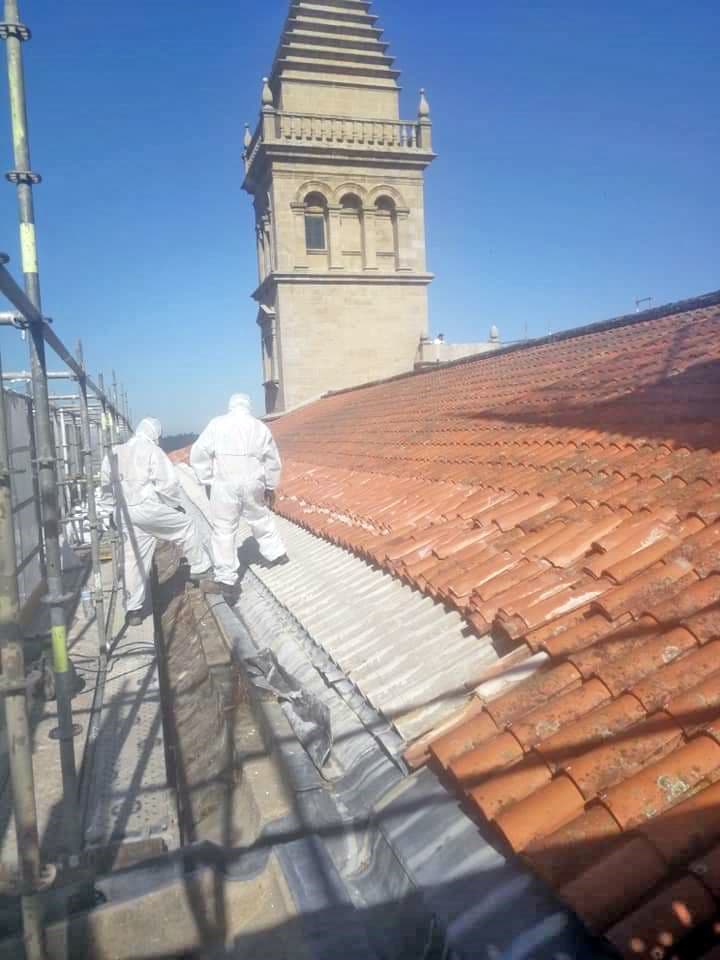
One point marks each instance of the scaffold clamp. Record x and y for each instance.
(16, 31)
(23, 176)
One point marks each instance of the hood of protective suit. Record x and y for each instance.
(239, 402)
(150, 428)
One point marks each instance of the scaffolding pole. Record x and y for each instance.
(15, 33)
(12, 661)
(116, 422)
(116, 540)
(99, 595)
(22, 376)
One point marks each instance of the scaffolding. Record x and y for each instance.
(66, 436)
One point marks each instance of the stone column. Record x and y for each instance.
(262, 271)
(269, 251)
(334, 241)
(369, 238)
(404, 253)
(273, 357)
(300, 250)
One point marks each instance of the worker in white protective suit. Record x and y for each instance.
(237, 455)
(146, 492)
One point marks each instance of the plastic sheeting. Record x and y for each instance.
(306, 714)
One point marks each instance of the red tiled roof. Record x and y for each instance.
(180, 456)
(565, 498)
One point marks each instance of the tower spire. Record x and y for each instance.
(338, 43)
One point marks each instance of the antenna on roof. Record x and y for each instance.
(641, 300)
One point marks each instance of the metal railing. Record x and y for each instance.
(63, 474)
(73, 433)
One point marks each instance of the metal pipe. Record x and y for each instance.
(73, 466)
(116, 542)
(61, 460)
(99, 595)
(63, 398)
(19, 740)
(117, 434)
(24, 179)
(26, 377)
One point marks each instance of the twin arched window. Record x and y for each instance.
(352, 229)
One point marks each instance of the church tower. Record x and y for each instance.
(337, 184)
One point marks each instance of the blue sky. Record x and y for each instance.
(579, 148)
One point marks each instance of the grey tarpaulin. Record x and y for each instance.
(309, 718)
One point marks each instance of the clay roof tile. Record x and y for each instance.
(653, 928)
(664, 783)
(615, 883)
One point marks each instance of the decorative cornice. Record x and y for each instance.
(367, 278)
(347, 155)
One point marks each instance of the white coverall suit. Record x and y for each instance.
(236, 453)
(146, 491)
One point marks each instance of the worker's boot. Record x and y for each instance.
(216, 589)
(197, 579)
(278, 562)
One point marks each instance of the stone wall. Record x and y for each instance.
(378, 325)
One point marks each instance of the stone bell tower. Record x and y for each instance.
(337, 183)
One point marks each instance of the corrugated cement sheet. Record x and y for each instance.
(409, 656)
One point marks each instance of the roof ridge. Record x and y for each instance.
(624, 320)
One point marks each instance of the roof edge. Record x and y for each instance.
(625, 320)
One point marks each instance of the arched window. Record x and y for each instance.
(351, 231)
(386, 232)
(316, 223)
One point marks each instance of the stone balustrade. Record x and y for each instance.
(308, 129)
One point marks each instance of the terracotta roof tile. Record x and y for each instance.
(654, 586)
(620, 754)
(548, 719)
(603, 892)
(547, 809)
(571, 633)
(699, 707)
(476, 765)
(686, 830)
(463, 739)
(663, 783)
(659, 688)
(649, 932)
(705, 625)
(560, 856)
(696, 598)
(621, 673)
(565, 497)
(639, 560)
(509, 785)
(533, 693)
(613, 644)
